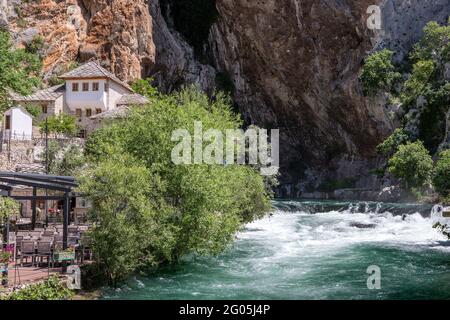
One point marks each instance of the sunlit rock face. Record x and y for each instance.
(118, 33)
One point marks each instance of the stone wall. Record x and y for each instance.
(16, 153)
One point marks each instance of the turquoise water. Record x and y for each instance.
(308, 254)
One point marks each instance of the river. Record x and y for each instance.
(314, 250)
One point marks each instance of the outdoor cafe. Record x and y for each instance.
(47, 231)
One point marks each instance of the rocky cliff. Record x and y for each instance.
(291, 64)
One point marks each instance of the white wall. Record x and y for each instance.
(21, 125)
(116, 92)
(86, 99)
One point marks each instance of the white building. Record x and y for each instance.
(17, 124)
(88, 91)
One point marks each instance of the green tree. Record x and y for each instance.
(33, 109)
(19, 71)
(434, 43)
(200, 207)
(8, 207)
(63, 159)
(145, 88)
(62, 124)
(71, 162)
(412, 163)
(441, 177)
(390, 145)
(418, 81)
(133, 225)
(379, 73)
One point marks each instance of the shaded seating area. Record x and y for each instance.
(41, 244)
(34, 242)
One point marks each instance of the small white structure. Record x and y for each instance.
(17, 124)
(88, 91)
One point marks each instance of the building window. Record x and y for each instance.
(8, 123)
(95, 86)
(82, 134)
(88, 112)
(44, 109)
(85, 86)
(106, 86)
(75, 87)
(98, 110)
(78, 112)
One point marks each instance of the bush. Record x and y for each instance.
(19, 70)
(145, 88)
(391, 144)
(412, 163)
(34, 110)
(153, 211)
(51, 289)
(379, 73)
(434, 43)
(418, 81)
(62, 124)
(441, 177)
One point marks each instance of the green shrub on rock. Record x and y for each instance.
(412, 163)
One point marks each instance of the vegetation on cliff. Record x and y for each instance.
(412, 163)
(423, 96)
(19, 70)
(379, 73)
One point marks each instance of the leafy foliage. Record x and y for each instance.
(379, 73)
(412, 163)
(33, 109)
(391, 144)
(145, 88)
(50, 289)
(441, 177)
(151, 210)
(425, 118)
(8, 207)
(432, 119)
(434, 43)
(62, 124)
(418, 81)
(63, 159)
(19, 70)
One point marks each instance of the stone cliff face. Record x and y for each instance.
(118, 33)
(293, 64)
